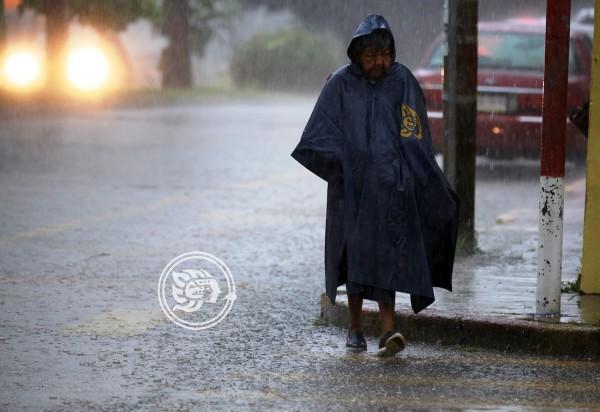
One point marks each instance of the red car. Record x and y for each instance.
(510, 87)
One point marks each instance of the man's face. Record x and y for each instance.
(374, 62)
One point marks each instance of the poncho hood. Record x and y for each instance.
(367, 26)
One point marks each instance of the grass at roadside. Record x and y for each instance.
(158, 97)
(40, 103)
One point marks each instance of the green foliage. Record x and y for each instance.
(102, 14)
(288, 59)
(571, 286)
(115, 15)
(205, 16)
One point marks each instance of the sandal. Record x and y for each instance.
(390, 344)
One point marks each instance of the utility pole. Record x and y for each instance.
(460, 113)
(552, 173)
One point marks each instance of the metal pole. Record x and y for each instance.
(552, 174)
(460, 114)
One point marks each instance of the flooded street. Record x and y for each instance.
(95, 205)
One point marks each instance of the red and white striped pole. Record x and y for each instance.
(558, 14)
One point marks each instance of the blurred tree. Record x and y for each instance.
(205, 16)
(175, 62)
(104, 15)
(287, 59)
(189, 25)
(413, 26)
(56, 35)
(2, 25)
(101, 14)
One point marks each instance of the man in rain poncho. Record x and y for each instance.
(391, 221)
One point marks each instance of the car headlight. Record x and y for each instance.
(21, 69)
(88, 69)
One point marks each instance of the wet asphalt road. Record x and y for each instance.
(95, 205)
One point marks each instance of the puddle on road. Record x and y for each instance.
(119, 323)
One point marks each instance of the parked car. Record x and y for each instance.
(585, 16)
(510, 87)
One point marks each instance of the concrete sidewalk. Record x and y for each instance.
(493, 302)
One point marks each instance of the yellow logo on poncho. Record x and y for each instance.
(411, 124)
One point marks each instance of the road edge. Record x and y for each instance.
(504, 334)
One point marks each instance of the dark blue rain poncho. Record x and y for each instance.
(388, 202)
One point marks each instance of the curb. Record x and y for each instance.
(499, 333)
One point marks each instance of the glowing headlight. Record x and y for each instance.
(21, 69)
(87, 69)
